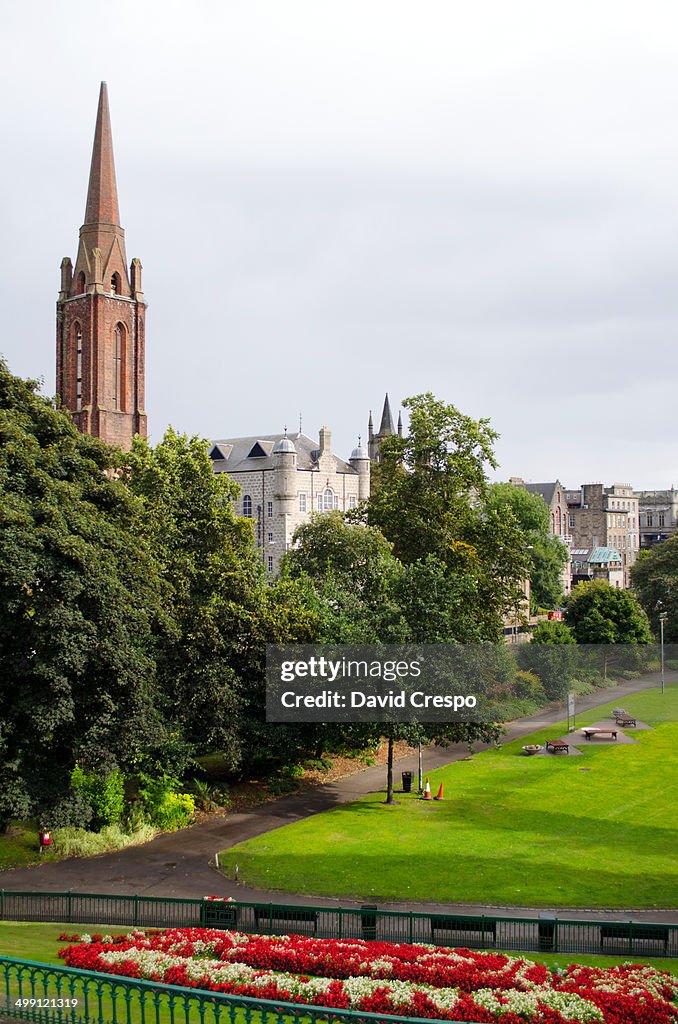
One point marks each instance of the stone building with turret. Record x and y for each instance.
(101, 312)
(284, 478)
(386, 429)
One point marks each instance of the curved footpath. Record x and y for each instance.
(179, 864)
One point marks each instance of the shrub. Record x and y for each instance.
(164, 806)
(528, 685)
(104, 791)
(78, 842)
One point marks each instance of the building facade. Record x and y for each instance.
(283, 480)
(597, 564)
(101, 312)
(606, 517)
(554, 497)
(658, 515)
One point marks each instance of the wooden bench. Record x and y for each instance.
(558, 746)
(632, 934)
(625, 720)
(590, 733)
(273, 915)
(480, 929)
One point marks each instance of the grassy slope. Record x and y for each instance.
(511, 830)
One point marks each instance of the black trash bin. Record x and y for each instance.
(369, 921)
(407, 782)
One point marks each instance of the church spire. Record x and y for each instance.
(386, 428)
(101, 312)
(102, 194)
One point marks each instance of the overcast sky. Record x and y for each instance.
(334, 199)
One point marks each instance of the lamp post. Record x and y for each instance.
(662, 619)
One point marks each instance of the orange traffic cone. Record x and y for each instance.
(427, 791)
(440, 793)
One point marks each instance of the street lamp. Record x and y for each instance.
(663, 616)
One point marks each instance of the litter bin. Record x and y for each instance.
(407, 782)
(369, 922)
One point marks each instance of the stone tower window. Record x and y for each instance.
(115, 284)
(80, 288)
(77, 330)
(247, 506)
(118, 344)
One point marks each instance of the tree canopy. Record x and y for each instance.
(81, 595)
(655, 580)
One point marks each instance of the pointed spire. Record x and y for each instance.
(386, 428)
(102, 194)
(400, 424)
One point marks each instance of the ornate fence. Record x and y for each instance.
(64, 995)
(546, 933)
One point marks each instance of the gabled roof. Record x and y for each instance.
(246, 454)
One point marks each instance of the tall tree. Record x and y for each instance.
(548, 555)
(655, 581)
(430, 498)
(214, 581)
(80, 598)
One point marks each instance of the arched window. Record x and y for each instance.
(247, 506)
(77, 336)
(115, 283)
(328, 499)
(118, 358)
(80, 288)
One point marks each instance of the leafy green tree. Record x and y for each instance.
(600, 614)
(430, 498)
(362, 593)
(548, 555)
(214, 582)
(553, 656)
(80, 598)
(655, 581)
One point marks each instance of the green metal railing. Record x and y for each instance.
(545, 933)
(65, 995)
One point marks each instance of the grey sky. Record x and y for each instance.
(334, 199)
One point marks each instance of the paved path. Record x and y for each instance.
(178, 863)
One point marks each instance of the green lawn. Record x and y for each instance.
(599, 830)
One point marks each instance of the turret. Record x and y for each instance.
(360, 462)
(285, 474)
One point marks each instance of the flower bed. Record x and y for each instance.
(379, 977)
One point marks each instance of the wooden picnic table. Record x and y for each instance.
(590, 732)
(558, 746)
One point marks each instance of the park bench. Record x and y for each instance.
(478, 930)
(273, 916)
(558, 746)
(591, 732)
(626, 937)
(626, 720)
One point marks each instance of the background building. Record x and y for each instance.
(554, 496)
(283, 480)
(101, 312)
(386, 429)
(606, 517)
(658, 514)
(597, 564)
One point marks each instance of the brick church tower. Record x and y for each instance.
(101, 312)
